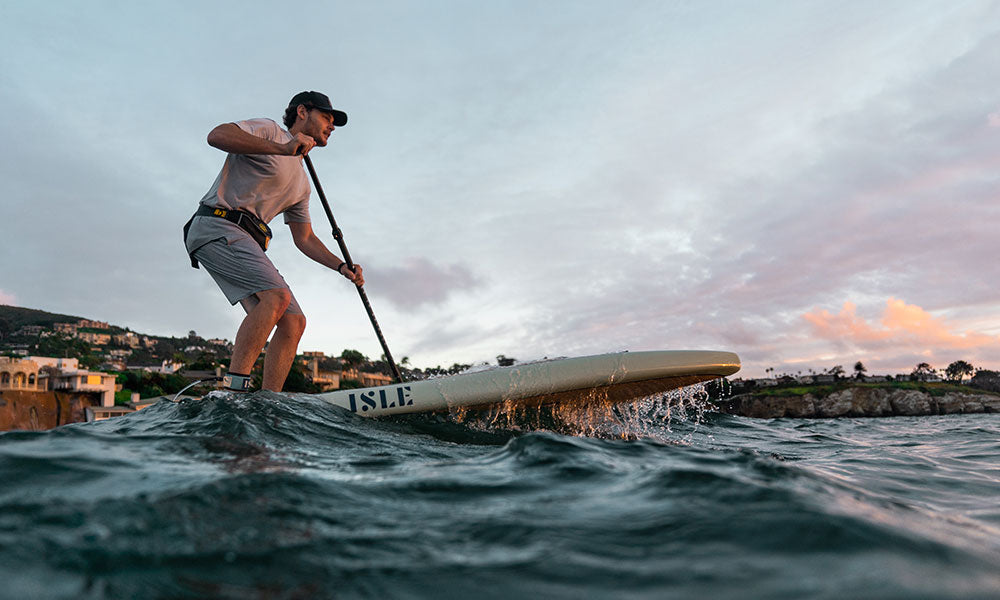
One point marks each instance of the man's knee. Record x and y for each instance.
(277, 299)
(293, 323)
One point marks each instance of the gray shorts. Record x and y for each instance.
(241, 269)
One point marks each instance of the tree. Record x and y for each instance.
(151, 384)
(297, 381)
(957, 370)
(837, 371)
(352, 358)
(985, 379)
(380, 366)
(205, 361)
(66, 347)
(922, 372)
(434, 371)
(859, 370)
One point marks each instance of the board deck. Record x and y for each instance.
(611, 377)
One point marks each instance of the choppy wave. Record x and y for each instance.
(268, 496)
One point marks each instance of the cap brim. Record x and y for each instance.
(339, 117)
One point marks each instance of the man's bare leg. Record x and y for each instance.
(256, 327)
(281, 351)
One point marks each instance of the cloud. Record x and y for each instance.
(902, 325)
(7, 299)
(418, 282)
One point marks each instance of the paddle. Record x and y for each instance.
(339, 236)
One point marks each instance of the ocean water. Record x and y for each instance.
(267, 496)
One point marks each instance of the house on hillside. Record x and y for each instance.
(128, 338)
(19, 374)
(67, 328)
(92, 324)
(324, 372)
(65, 375)
(100, 413)
(166, 367)
(95, 337)
(368, 379)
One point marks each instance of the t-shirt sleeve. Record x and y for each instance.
(263, 128)
(298, 212)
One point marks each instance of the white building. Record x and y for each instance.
(875, 378)
(166, 367)
(65, 375)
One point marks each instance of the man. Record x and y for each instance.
(263, 176)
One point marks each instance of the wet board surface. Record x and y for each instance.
(619, 377)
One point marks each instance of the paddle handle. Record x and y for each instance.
(339, 236)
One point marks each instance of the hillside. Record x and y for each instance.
(15, 317)
(99, 345)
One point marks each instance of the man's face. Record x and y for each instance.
(318, 126)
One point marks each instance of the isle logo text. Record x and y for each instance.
(380, 398)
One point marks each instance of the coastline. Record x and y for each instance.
(859, 402)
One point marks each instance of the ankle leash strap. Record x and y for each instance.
(236, 382)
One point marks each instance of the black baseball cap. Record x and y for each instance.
(319, 102)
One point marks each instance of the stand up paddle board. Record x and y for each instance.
(607, 377)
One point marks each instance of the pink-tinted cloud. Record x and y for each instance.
(902, 324)
(8, 299)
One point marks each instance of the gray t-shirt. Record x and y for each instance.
(262, 184)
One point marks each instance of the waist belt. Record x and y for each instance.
(257, 229)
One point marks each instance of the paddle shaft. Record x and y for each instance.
(339, 236)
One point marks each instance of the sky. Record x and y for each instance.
(806, 184)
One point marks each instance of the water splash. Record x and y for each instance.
(592, 414)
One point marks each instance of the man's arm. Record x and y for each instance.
(310, 245)
(228, 137)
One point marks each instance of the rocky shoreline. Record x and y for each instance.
(860, 402)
